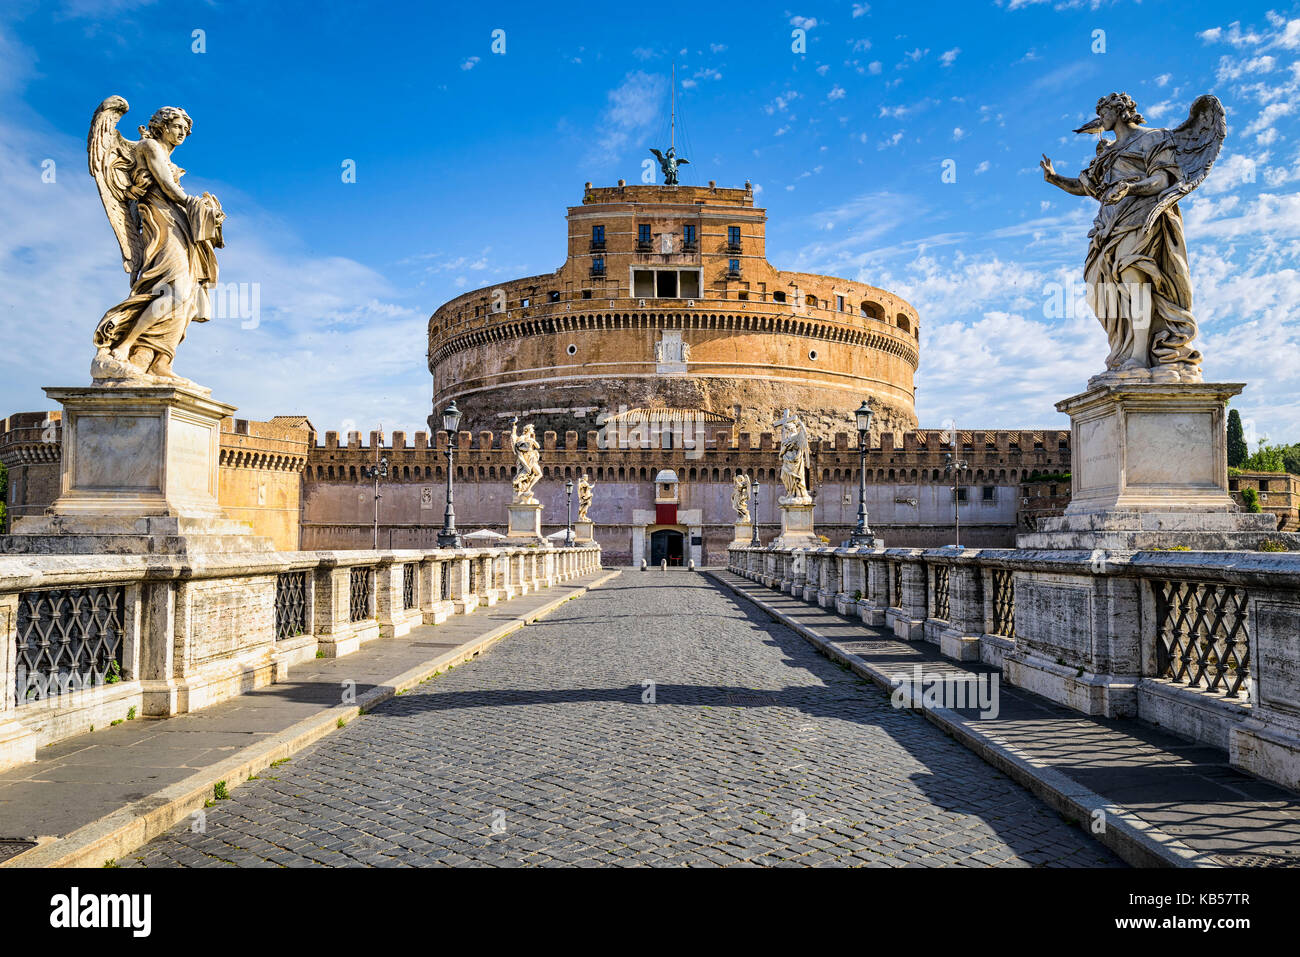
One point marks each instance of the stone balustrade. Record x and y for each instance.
(1206, 644)
(88, 640)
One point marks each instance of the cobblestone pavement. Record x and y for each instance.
(554, 748)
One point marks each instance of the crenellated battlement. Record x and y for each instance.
(913, 456)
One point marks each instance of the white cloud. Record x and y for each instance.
(949, 57)
(836, 93)
(470, 63)
(633, 109)
(803, 23)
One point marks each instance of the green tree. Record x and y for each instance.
(1291, 458)
(1237, 448)
(1268, 458)
(1250, 497)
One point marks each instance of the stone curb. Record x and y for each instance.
(120, 832)
(1136, 841)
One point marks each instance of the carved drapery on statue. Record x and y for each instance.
(795, 455)
(740, 497)
(528, 455)
(1136, 271)
(167, 239)
(585, 486)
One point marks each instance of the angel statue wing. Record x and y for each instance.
(659, 156)
(683, 162)
(1197, 142)
(111, 157)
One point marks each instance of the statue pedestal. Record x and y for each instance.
(744, 533)
(138, 476)
(524, 521)
(584, 531)
(1149, 470)
(796, 527)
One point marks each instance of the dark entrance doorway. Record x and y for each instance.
(666, 543)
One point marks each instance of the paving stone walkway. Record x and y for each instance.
(1188, 791)
(555, 748)
(81, 779)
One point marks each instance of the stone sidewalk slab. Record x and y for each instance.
(98, 796)
(1166, 801)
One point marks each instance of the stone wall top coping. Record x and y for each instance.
(21, 572)
(1261, 569)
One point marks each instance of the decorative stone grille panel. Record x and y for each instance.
(1004, 602)
(941, 592)
(290, 604)
(68, 639)
(410, 593)
(1202, 634)
(359, 593)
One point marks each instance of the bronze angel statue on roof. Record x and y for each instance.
(1136, 271)
(668, 163)
(167, 238)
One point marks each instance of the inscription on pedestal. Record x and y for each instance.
(1277, 662)
(117, 452)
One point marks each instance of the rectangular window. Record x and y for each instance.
(643, 233)
(733, 236)
(990, 493)
(598, 265)
(839, 303)
(690, 282)
(688, 234)
(666, 284)
(733, 267)
(778, 296)
(643, 283)
(598, 235)
(961, 494)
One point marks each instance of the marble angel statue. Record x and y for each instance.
(167, 238)
(1136, 271)
(528, 467)
(740, 497)
(585, 485)
(795, 456)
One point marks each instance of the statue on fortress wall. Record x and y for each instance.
(585, 485)
(166, 237)
(795, 456)
(1139, 284)
(528, 456)
(668, 164)
(740, 497)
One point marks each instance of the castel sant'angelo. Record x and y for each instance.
(655, 360)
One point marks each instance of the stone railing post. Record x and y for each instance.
(960, 636)
(876, 590)
(908, 618)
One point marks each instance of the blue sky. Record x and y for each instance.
(465, 160)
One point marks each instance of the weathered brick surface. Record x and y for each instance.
(756, 750)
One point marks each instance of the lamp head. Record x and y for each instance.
(863, 415)
(451, 418)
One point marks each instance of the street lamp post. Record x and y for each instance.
(449, 537)
(377, 471)
(754, 540)
(568, 508)
(862, 533)
(955, 467)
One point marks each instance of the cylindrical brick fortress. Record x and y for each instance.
(666, 300)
